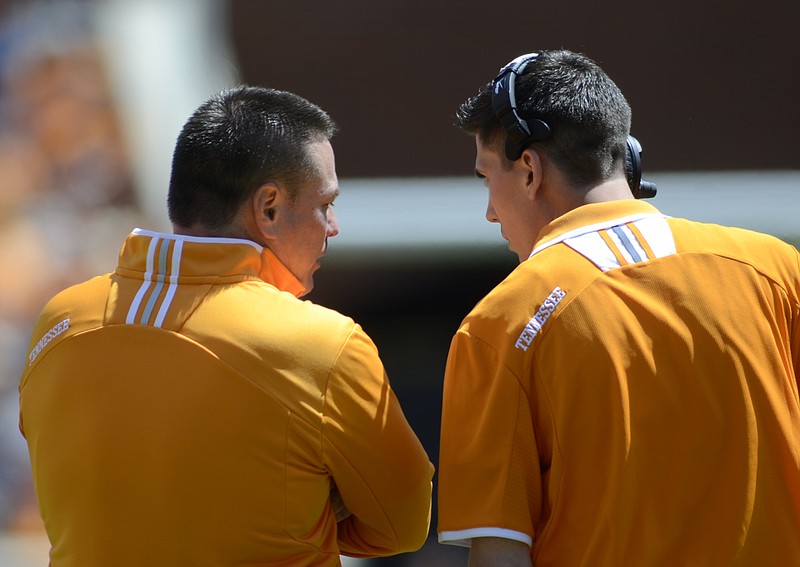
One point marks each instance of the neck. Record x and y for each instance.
(194, 230)
(205, 232)
(614, 189)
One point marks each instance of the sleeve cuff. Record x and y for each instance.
(464, 537)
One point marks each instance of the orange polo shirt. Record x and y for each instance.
(628, 396)
(187, 410)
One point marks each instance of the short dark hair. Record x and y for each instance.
(235, 142)
(587, 113)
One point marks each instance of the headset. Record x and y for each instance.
(522, 132)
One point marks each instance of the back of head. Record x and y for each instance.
(237, 141)
(587, 114)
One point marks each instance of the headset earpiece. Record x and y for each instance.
(633, 171)
(521, 132)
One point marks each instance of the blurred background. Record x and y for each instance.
(94, 92)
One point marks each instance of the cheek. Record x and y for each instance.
(321, 225)
(498, 200)
(318, 231)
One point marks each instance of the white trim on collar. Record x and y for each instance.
(198, 239)
(594, 228)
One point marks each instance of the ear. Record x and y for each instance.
(267, 205)
(531, 163)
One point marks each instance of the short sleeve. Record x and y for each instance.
(489, 477)
(795, 325)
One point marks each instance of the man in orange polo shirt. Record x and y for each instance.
(628, 395)
(188, 408)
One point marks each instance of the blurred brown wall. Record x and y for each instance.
(713, 85)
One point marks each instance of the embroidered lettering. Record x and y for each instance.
(539, 318)
(46, 338)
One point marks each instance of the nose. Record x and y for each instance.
(491, 216)
(333, 223)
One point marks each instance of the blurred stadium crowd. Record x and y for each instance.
(65, 194)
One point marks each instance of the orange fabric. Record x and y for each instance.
(630, 412)
(183, 410)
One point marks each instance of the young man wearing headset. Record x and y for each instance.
(628, 395)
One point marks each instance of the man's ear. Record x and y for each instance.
(532, 168)
(267, 205)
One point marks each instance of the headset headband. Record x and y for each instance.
(521, 133)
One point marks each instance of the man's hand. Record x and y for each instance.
(499, 552)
